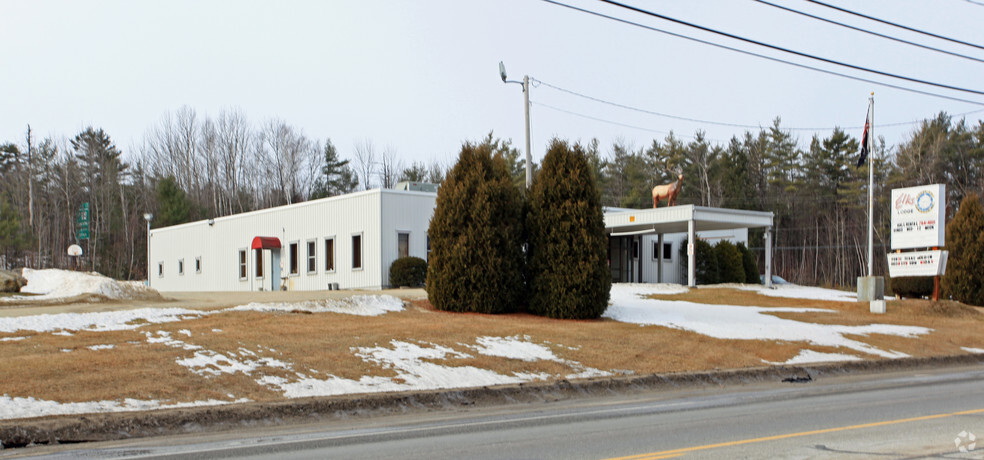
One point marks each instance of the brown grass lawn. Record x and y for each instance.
(322, 344)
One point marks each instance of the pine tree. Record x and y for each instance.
(476, 236)
(175, 207)
(749, 265)
(337, 177)
(964, 279)
(567, 259)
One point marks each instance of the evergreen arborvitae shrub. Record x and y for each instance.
(707, 264)
(567, 254)
(476, 236)
(749, 264)
(408, 271)
(964, 277)
(730, 267)
(913, 287)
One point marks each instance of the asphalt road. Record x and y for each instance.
(924, 414)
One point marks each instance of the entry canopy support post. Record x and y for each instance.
(691, 253)
(768, 257)
(659, 258)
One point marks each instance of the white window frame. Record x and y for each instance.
(292, 261)
(160, 269)
(311, 258)
(398, 234)
(242, 263)
(334, 253)
(198, 265)
(362, 255)
(181, 266)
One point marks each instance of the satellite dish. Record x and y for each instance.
(502, 71)
(75, 250)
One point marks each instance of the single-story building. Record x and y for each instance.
(350, 241)
(346, 241)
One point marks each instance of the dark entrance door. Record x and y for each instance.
(620, 258)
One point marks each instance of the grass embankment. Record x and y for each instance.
(63, 368)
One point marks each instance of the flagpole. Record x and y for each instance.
(871, 183)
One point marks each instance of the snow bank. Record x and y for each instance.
(629, 304)
(11, 408)
(361, 305)
(973, 350)
(55, 284)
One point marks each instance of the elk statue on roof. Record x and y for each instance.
(668, 191)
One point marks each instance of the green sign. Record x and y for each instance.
(82, 221)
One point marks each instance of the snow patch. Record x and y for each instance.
(973, 350)
(810, 356)
(361, 305)
(515, 347)
(629, 304)
(794, 291)
(98, 321)
(12, 408)
(12, 339)
(101, 347)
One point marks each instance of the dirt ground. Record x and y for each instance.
(637, 356)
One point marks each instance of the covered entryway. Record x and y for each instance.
(625, 226)
(261, 244)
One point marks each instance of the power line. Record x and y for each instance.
(709, 122)
(789, 51)
(762, 56)
(910, 29)
(848, 26)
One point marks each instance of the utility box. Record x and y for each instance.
(871, 288)
(877, 306)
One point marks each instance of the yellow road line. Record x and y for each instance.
(678, 452)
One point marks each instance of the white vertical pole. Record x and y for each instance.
(691, 255)
(871, 184)
(768, 256)
(526, 106)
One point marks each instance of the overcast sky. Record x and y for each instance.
(421, 77)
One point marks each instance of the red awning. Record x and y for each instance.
(265, 242)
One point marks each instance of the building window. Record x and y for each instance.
(403, 244)
(242, 264)
(259, 263)
(329, 254)
(294, 263)
(160, 269)
(635, 249)
(198, 264)
(357, 251)
(312, 256)
(181, 266)
(667, 251)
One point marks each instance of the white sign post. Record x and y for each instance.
(919, 221)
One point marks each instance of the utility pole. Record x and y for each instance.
(526, 107)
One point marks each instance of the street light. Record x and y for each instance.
(148, 217)
(526, 107)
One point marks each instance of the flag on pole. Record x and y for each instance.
(864, 140)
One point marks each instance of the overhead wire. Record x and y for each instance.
(790, 51)
(859, 29)
(537, 82)
(900, 26)
(761, 56)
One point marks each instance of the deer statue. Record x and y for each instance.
(668, 191)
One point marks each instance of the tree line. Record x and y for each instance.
(191, 166)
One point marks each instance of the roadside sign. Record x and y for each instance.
(82, 222)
